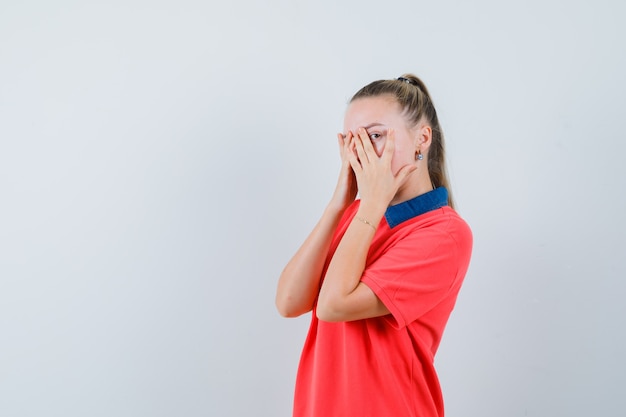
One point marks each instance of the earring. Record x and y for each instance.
(419, 156)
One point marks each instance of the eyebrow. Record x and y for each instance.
(372, 125)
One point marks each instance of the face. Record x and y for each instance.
(377, 115)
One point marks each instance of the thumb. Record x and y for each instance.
(404, 172)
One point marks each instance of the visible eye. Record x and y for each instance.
(375, 136)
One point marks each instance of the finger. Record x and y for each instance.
(367, 143)
(341, 142)
(390, 145)
(344, 143)
(359, 148)
(349, 138)
(353, 158)
(403, 173)
(349, 144)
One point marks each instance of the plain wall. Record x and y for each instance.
(161, 161)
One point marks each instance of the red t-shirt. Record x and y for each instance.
(383, 366)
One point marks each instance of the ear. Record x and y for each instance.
(423, 137)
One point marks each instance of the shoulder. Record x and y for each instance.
(439, 229)
(456, 226)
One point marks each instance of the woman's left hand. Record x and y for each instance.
(376, 181)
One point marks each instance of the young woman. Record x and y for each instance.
(381, 273)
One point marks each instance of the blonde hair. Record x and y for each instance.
(412, 95)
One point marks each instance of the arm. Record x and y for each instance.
(343, 297)
(299, 283)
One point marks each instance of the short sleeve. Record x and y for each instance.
(420, 269)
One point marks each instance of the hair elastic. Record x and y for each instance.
(406, 80)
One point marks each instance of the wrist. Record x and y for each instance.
(371, 213)
(339, 205)
(335, 210)
(372, 206)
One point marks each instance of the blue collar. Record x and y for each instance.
(421, 204)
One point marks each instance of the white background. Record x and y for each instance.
(161, 161)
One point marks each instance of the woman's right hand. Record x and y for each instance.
(346, 189)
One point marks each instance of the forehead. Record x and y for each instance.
(365, 111)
